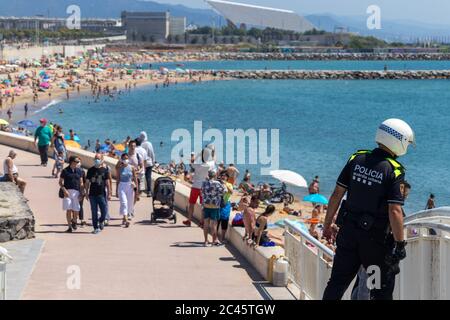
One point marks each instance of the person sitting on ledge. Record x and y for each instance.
(11, 174)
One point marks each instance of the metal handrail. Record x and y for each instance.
(310, 238)
(432, 213)
(4, 256)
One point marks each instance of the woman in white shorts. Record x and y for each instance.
(126, 189)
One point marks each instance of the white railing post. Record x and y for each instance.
(2, 280)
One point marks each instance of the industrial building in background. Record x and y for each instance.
(54, 24)
(152, 26)
(244, 16)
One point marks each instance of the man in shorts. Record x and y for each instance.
(71, 183)
(212, 193)
(200, 174)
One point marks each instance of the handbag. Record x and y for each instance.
(61, 194)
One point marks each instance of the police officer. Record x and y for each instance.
(371, 218)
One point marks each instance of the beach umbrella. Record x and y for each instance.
(71, 143)
(27, 124)
(45, 85)
(98, 70)
(75, 138)
(37, 63)
(316, 198)
(104, 148)
(289, 177)
(119, 147)
(179, 70)
(4, 122)
(42, 73)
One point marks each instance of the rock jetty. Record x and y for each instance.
(322, 56)
(329, 74)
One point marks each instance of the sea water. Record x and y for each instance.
(305, 65)
(321, 122)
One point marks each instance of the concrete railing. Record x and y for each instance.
(259, 258)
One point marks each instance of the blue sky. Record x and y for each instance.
(429, 11)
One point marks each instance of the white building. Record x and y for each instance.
(249, 15)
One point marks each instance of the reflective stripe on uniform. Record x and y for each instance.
(398, 168)
(360, 152)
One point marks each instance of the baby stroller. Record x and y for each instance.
(163, 200)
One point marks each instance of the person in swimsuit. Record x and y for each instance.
(260, 232)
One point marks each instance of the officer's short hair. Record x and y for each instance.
(406, 185)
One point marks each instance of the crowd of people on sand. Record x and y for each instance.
(36, 80)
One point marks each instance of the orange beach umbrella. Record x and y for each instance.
(71, 143)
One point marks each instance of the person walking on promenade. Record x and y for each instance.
(212, 193)
(137, 162)
(225, 207)
(147, 145)
(26, 109)
(71, 184)
(57, 142)
(127, 178)
(10, 172)
(200, 174)
(371, 218)
(144, 156)
(81, 213)
(97, 189)
(42, 138)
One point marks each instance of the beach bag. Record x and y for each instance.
(61, 193)
(238, 220)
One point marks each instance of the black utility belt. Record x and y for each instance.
(367, 221)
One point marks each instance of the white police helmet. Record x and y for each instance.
(396, 135)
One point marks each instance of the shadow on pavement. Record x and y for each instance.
(187, 244)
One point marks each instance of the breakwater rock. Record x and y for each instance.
(334, 74)
(323, 56)
(16, 219)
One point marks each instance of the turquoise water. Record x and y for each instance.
(321, 122)
(307, 65)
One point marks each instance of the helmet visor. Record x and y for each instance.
(412, 141)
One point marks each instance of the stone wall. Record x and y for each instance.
(16, 217)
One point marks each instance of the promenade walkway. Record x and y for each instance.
(146, 261)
